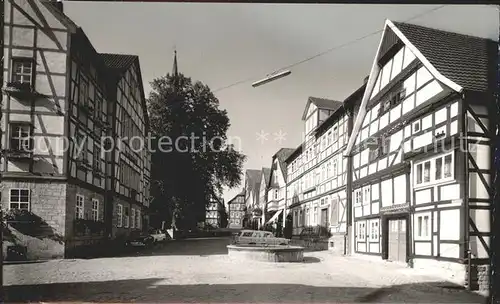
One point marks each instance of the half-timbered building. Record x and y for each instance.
(421, 151)
(276, 185)
(317, 170)
(263, 192)
(252, 193)
(236, 210)
(61, 99)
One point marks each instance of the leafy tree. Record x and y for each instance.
(191, 158)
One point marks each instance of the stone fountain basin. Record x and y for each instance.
(271, 253)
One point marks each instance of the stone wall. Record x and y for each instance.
(88, 195)
(479, 277)
(47, 201)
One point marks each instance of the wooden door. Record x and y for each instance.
(324, 217)
(397, 240)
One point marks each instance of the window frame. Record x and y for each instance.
(361, 231)
(20, 202)
(374, 235)
(13, 73)
(95, 209)
(423, 232)
(119, 215)
(80, 208)
(432, 170)
(126, 217)
(132, 215)
(17, 127)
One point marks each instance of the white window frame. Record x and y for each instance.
(366, 197)
(20, 134)
(19, 203)
(374, 231)
(358, 197)
(432, 172)
(361, 231)
(95, 209)
(126, 217)
(335, 134)
(80, 208)
(26, 74)
(335, 168)
(422, 232)
(119, 215)
(132, 215)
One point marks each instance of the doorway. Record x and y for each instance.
(397, 242)
(324, 217)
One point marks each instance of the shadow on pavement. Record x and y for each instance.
(160, 291)
(198, 246)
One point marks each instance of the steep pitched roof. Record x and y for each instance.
(464, 59)
(460, 62)
(267, 174)
(321, 103)
(118, 62)
(282, 155)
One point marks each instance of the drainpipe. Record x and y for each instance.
(348, 238)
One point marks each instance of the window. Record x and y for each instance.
(384, 107)
(22, 70)
(84, 91)
(358, 197)
(416, 126)
(275, 194)
(361, 232)
(138, 219)
(95, 209)
(366, 196)
(307, 217)
(334, 134)
(427, 172)
(20, 137)
(329, 138)
(97, 157)
(448, 166)
(374, 231)
(423, 229)
(132, 222)
(19, 199)
(335, 168)
(127, 218)
(438, 169)
(119, 215)
(397, 97)
(328, 170)
(80, 201)
(315, 216)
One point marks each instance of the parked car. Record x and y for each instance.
(256, 237)
(139, 240)
(158, 235)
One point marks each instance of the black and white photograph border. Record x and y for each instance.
(256, 152)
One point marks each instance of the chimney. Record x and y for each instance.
(58, 4)
(366, 79)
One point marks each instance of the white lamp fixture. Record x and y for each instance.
(271, 77)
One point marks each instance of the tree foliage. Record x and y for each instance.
(192, 158)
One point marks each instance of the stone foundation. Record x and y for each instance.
(267, 254)
(479, 277)
(48, 202)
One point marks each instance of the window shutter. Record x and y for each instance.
(335, 212)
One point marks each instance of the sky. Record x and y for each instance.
(222, 44)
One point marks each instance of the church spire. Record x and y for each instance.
(175, 71)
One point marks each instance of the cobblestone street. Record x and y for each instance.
(200, 271)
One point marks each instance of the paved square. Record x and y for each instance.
(199, 271)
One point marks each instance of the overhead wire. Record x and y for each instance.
(328, 50)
